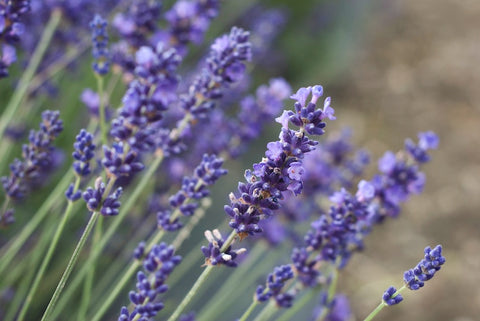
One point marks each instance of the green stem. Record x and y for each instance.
(87, 289)
(76, 253)
(382, 305)
(27, 76)
(240, 281)
(70, 265)
(267, 312)
(249, 310)
(48, 256)
(201, 280)
(103, 123)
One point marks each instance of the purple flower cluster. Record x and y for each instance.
(193, 189)
(11, 28)
(147, 97)
(188, 22)
(38, 158)
(139, 22)
(425, 269)
(98, 202)
(225, 65)
(336, 236)
(338, 308)
(389, 298)
(281, 169)
(334, 163)
(119, 161)
(100, 45)
(159, 264)
(84, 151)
(274, 286)
(215, 254)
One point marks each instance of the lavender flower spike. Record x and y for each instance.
(274, 286)
(388, 297)
(159, 264)
(108, 206)
(425, 269)
(100, 45)
(282, 168)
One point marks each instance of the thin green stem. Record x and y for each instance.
(200, 281)
(48, 256)
(27, 76)
(267, 312)
(240, 281)
(70, 265)
(382, 305)
(249, 310)
(103, 123)
(87, 288)
(75, 255)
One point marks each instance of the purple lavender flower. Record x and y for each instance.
(188, 22)
(280, 170)
(388, 297)
(147, 97)
(11, 29)
(72, 194)
(97, 201)
(224, 66)
(214, 255)
(274, 286)
(338, 308)
(83, 153)
(425, 269)
(159, 264)
(38, 157)
(120, 162)
(100, 52)
(336, 236)
(194, 188)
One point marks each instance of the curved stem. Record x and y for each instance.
(27, 76)
(48, 256)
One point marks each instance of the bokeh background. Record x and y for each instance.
(393, 68)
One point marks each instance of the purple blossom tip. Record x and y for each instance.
(388, 297)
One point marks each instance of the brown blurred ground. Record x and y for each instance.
(417, 69)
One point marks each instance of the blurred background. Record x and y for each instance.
(393, 69)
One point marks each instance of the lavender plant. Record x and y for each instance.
(156, 137)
